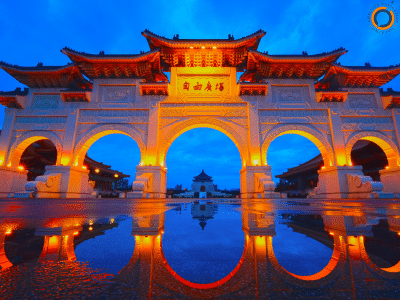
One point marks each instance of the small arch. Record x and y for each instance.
(29, 138)
(202, 188)
(98, 132)
(333, 269)
(389, 273)
(310, 133)
(387, 144)
(212, 123)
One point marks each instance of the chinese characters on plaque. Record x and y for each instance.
(208, 87)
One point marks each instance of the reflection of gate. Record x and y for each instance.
(130, 94)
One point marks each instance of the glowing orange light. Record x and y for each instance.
(191, 47)
(350, 164)
(162, 164)
(387, 167)
(323, 168)
(214, 47)
(112, 221)
(203, 47)
(76, 232)
(97, 170)
(331, 233)
(91, 222)
(116, 175)
(1, 162)
(9, 164)
(255, 162)
(141, 163)
(90, 228)
(84, 167)
(8, 231)
(21, 168)
(398, 233)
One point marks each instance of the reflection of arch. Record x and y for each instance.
(27, 139)
(333, 269)
(203, 285)
(310, 133)
(389, 273)
(98, 132)
(387, 145)
(213, 123)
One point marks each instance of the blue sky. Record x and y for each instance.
(35, 31)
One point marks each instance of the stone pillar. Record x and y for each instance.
(256, 182)
(343, 182)
(74, 181)
(58, 243)
(69, 139)
(150, 182)
(339, 146)
(390, 179)
(6, 134)
(12, 180)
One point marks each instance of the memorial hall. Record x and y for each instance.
(181, 84)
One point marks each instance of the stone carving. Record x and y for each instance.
(46, 186)
(114, 116)
(117, 93)
(363, 186)
(46, 101)
(293, 116)
(367, 123)
(40, 120)
(288, 94)
(361, 101)
(183, 110)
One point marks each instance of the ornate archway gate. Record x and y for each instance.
(310, 95)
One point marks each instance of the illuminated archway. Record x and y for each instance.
(312, 134)
(387, 145)
(203, 123)
(29, 138)
(95, 134)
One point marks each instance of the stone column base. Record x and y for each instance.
(74, 182)
(12, 180)
(346, 182)
(390, 179)
(256, 182)
(150, 182)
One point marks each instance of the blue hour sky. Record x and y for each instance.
(35, 31)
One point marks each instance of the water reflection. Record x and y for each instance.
(142, 254)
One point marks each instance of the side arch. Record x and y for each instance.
(22, 142)
(387, 144)
(310, 133)
(388, 273)
(213, 123)
(98, 132)
(332, 270)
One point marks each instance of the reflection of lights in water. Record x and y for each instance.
(91, 222)
(111, 221)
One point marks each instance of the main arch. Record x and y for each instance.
(132, 95)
